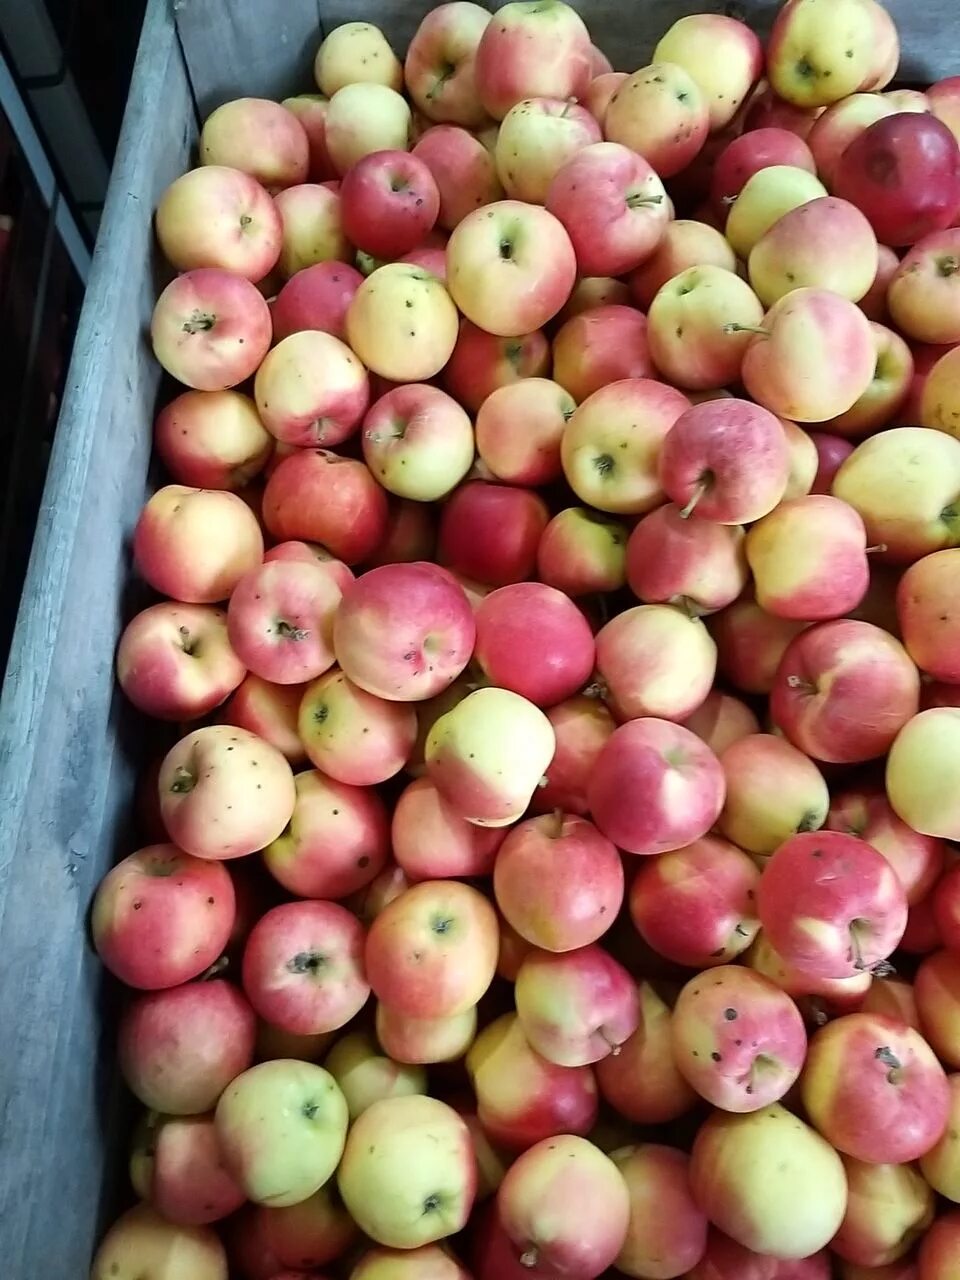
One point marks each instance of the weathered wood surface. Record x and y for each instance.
(65, 771)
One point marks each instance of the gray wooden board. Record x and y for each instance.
(65, 776)
(66, 772)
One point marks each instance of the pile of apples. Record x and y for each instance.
(559, 600)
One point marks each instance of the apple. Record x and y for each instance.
(831, 905)
(311, 390)
(379, 893)
(561, 860)
(312, 1233)
(311, 110)
(463, 169)
(482, 362)
(363, 117)
(439, 69)
(654, 660)
(318, 496)
(599, 92)
(216, 216)
(410, 537)
(922, 296)
(889, 1206)
(510, 266)
(581, 726)
(282, 1127)
(176, 1165)
(365, 1075)
(942, 98)
(161, 917)
(807, 60)
(799, 328)
(917, 859)
(886, 396)
(685, 243)
(656, 787)
(903, 172)
(938, 1248)
(765, 197)
(774, 791)
(603, 345)
(700, 326)
(196, 544)
(408, 1174)
(582, 552)
(280, 620)
(940, 1165)
(404, 632)
(612, 443)
(313, 232)
(536, 139)
(750, 643)
(721, 720)
(832, 453)
(210, 328)
(180, 1048)
(921, 935)
(945, 897)
(737, 1038)
(724, 1259)
(175, 661)
(425, 1040)
(577, 1006)
(809, 559)
(817, 997)
(826, 244)
(746, 155)
(722, 54)
(642, 1082)
(767, 110)
(924, 613)
(259, 137)
(595, 291)
(905, 483)
(270, 711)
(212, 439)
(543, 50)
(353, 736)
(695, 906)
(336, 842)
(661, 113)
(726, 459)
(521, 1097)
(224, 792)
(431, 841)
(303, 967)
(430, 1262)
(533, 640)
(317, 297)
(432, 952)
(769, 1181)
(141, 1245)
(938, 398)
(613, 205)
(354, 53)
(844, 690)
(874, 1089)
(402, 323)
(892, 998)
(937, 992)
(489, 533)
(532, 458)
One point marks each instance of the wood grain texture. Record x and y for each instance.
(248, 48)
(65, 767)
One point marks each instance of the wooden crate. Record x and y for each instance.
(68, 747)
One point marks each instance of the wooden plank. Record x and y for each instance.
(65, 745)
(248, 48)
(628, 31)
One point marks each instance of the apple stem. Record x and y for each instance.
(639, 201)
(733, 327)
(555, 830)
(875, 550)
(215, 969)
(543, 782)
(948, 265)
(199, 322)
(695, 497)
(889, 1059)
(797, 682)
(596, 689)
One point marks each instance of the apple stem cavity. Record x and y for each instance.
(889, 1059)
(289, 632)
(183, 781)
(199, 322)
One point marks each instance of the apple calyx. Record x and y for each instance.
(183, 781)
(287, 631)
(306, 962)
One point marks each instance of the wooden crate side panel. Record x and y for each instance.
(248, 48)
(65, 768)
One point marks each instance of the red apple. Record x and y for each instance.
(748, 154)
(721, 720)
(490, 532)
(210, 329)
(530, 52)
(180, 1048)
(311, 390)
(389, 202)
(270, 711)
(581, 726)
(303, 967)
(315, 298)
(317, 496)
(642, 1081)
(599, 346)
(831, 905)
(655, 660)
(354, 736)
(280, 620)
(937, 991)
(678, 559)
(533, 457)
(432, 842)
(582, 552)
(482, 362)
(463, 169)
(212, 439)
(750, 643)
(918, 860)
